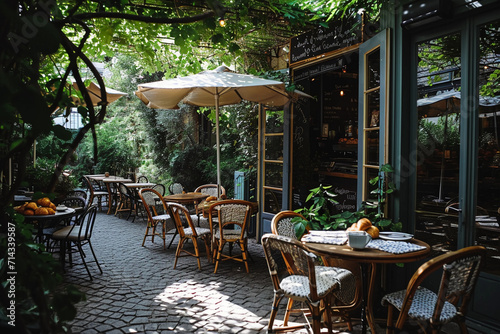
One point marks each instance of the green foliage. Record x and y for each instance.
(320, 216)
(432, 135)
(41, 303)
(40, 175)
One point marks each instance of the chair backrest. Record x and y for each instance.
(160, 188)
(176, 188)
(460, 272)
(152, 201)
(294, 252)
(86, 223)
(180, 213)
(90, 187)
(142, 179)
(231, 214)
(124, 191)
(210, 190)
(282, 223)
(77, 193)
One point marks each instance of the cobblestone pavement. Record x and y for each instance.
(140, 292)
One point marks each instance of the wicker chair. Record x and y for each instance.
(304, 283)
(96, 193)
(211, 190)
(179, 214)
(142, 179)
(127, 201)
(160, 188)
(175, 188)
(78, 235)
(153, 202)
(460, 271)
(232, 217)
(348, 295)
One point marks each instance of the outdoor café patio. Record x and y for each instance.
(140, 291)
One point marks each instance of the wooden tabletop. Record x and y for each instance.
(113, 179)
(369, 255)
(139, 184)
(187, 198)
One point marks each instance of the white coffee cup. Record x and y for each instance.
(358, 239)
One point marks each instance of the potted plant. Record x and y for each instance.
(319, 217)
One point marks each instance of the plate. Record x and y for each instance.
(61, 208)
(395, 236)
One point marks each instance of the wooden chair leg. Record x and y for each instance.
(390, 323)
(289, 307)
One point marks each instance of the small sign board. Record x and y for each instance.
(322, 40)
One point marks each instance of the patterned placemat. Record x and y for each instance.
(395, 247)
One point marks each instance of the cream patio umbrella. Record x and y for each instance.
(95, 94)
(214, 89)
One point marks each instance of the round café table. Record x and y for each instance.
(44, 221)
(187, 198)
(368, 258)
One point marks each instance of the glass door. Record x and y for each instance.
(272, 147)
(373, 112)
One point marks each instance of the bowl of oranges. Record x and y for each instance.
(41, 207)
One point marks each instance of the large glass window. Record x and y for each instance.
(488, 157)
(438, 141)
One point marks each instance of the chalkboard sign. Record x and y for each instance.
(317, 42)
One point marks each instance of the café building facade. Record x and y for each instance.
(418, 89)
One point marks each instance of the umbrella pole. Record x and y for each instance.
(217, 139)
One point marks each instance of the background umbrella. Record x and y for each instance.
(213, 89)
(95, 94)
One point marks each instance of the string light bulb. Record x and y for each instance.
(341, 93)
(222, 22)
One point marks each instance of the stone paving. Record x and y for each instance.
(140, 292)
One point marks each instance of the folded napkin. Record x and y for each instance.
(395, 247)
(326, 237)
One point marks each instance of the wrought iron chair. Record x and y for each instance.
(303, 283)
(78, 235)
(232, 217)
(153, 202)
(460, 270)
(348, 295)
(179, 214)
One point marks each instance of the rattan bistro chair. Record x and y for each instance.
(347, 273)
(304, 282)
(232, 217)
(175, 188)
(181, 214)
(460, 270)
(153, 202)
